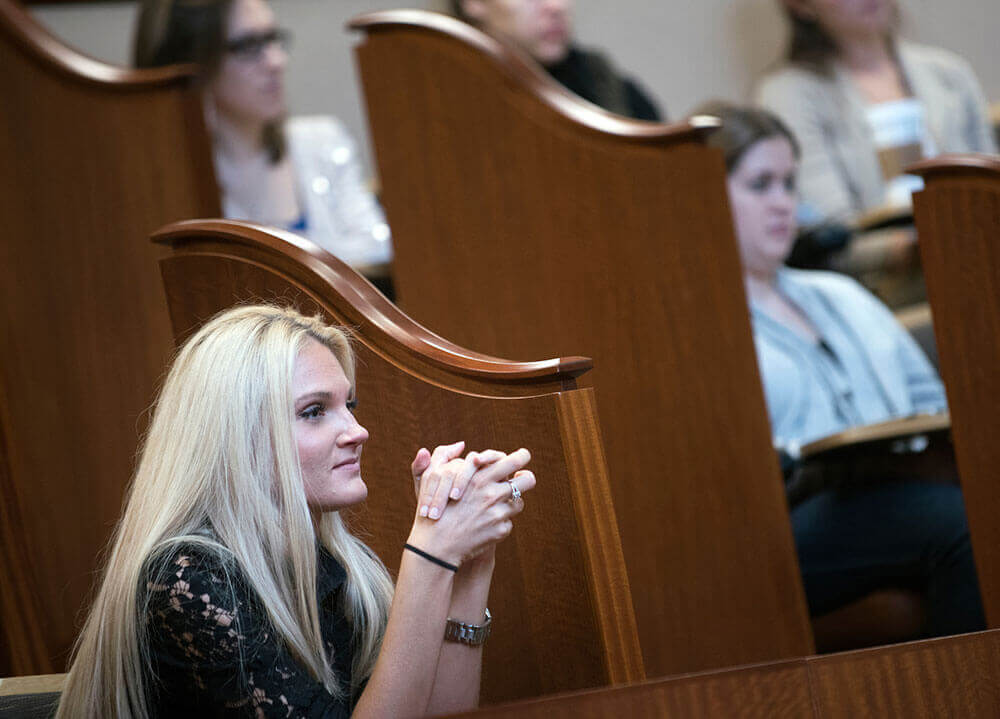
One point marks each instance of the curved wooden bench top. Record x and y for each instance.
(880, 432)
(945, 164)
(51, 52)
(360, 298)
(515, 64)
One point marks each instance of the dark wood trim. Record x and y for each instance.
(955, 163)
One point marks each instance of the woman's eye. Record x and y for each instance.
(791, 183)
(352, 404)
(760, 183)
(313, 411)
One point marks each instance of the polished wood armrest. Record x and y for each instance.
(891, 430)
(880, 218)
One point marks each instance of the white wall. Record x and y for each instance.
(683, 52)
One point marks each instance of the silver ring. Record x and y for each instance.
(515, 493)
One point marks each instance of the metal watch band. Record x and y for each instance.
(471, 634)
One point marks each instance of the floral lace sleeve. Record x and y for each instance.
(214, 653)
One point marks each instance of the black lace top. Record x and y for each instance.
(215, 654)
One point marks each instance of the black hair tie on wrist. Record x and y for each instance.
(431, 558)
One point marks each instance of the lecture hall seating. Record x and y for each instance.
(527, 223)
(560, 597)
(94, 158)
(958, 218)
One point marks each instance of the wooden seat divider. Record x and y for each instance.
(560, 597)
(92, 159)
(528, 222)
(958, 221)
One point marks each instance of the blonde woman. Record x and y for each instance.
(233, 588)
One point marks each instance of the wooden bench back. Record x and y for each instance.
(94, 158)
(529, 223)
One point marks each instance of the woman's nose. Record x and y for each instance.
(354, 434)
(275, 56)
(783, 199)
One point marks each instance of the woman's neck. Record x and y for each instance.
(237, 141)
(864, 53)
(760, 284)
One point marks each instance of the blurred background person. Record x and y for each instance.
(303, 173)
(832, 356)
(543, 29)
(864, 103)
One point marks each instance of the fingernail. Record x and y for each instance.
(435, 513)
(423, 511)
(455, 494)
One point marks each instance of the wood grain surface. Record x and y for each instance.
(958, 219)
(955, 677)
(93, 159)
(530, 223)
(562, 607)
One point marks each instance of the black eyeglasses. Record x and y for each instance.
(252, 45)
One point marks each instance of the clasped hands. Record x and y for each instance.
(465, 505)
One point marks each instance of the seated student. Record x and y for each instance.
(542, 29)
(234, 588)
(864, 103)
(831, 356)
(301, 173)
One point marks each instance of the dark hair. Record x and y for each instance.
(172, 32)
(811, 47)
(742, 128)
(458, 11)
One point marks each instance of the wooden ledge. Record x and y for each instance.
(892, 429)
(947, 164)
(36, 684)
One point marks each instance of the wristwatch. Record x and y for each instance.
(472, 634)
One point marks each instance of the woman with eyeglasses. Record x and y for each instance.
(301, 173)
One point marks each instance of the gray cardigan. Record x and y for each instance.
(840, 174)
(870, 369)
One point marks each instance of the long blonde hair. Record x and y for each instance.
(219, 468)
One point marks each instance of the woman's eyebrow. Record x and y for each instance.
(320, 394)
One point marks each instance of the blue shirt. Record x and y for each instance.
(866, 368)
